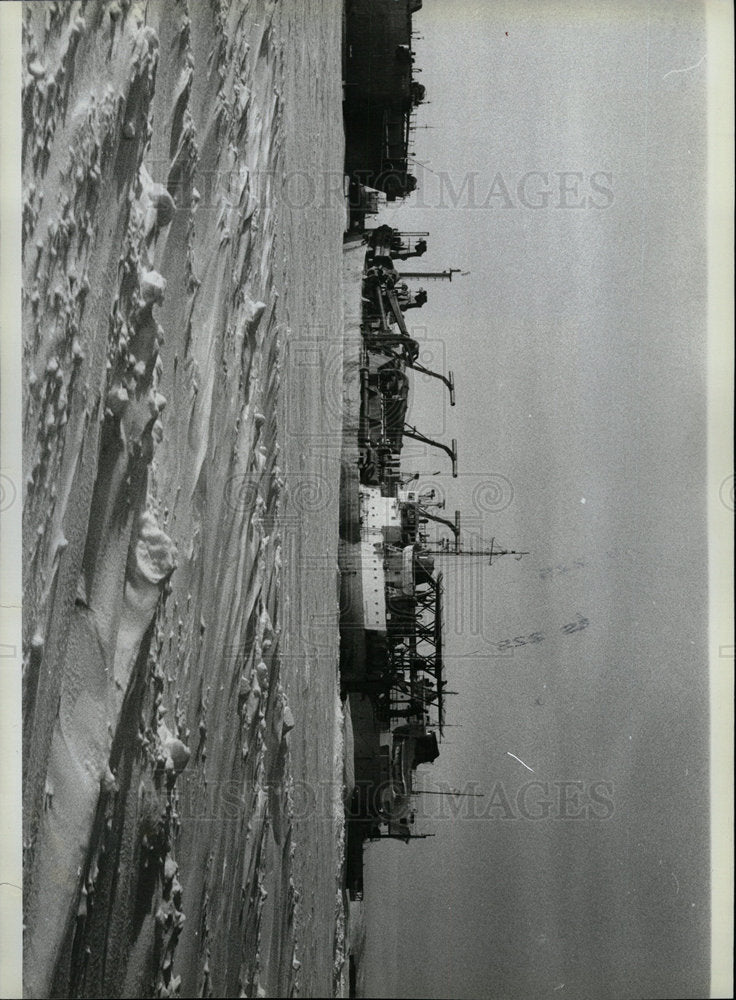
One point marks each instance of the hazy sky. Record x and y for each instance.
(578, 344)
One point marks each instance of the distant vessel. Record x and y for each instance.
(380, 96)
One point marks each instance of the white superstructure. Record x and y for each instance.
(377, 513)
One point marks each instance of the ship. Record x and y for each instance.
(391, 666)
(381, 95)
(391, 663)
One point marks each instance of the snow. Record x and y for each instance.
(180, 310)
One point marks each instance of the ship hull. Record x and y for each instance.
(379, 94)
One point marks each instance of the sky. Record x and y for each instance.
(564, 168)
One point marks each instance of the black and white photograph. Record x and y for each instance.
(367, 495)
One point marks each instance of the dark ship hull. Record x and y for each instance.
(380, 94)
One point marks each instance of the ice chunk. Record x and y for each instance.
(155, 553)
(153, 286)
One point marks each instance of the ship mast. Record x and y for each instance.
(453, 792)
(446, 274)
(492, 552)
(438, 549)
